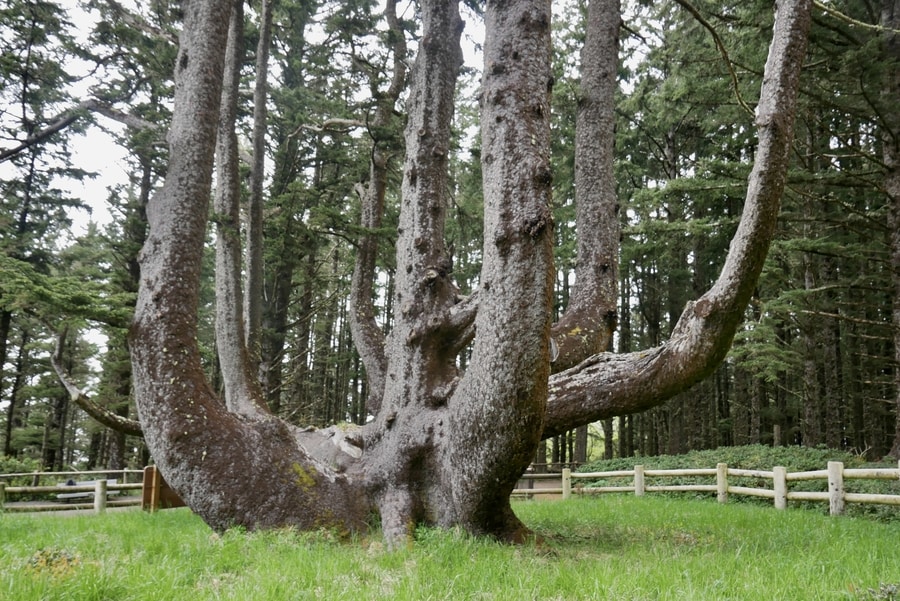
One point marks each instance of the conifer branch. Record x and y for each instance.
(69, 117)
(851, 21)
(720, 45)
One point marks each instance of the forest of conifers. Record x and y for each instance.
(814, 364)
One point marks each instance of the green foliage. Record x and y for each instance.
(759, 457)
(57, 294)
(815, 357)
(18, 465)
(608, 548)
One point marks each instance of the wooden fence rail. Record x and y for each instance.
(154, 492)
(836, 496)
(36, 477)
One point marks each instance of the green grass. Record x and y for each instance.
(614, 547)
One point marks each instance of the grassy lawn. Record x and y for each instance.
(613, 547)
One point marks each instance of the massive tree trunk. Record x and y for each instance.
(441, 447)
(446, 446)
(498, 408)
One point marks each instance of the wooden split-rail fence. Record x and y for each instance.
(779, 490)
(155, 493)
(95, 491)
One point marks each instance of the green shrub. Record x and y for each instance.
(12, 465)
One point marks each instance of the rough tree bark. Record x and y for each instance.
(590, 318)
(253, 299)
(420, 372)
(242, 392)
(446, 447)
(497, 411)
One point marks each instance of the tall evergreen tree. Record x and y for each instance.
(35, 48)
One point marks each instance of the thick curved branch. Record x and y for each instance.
(230, 471)
(461, 322)
(126, 119)
(61, 122)
(331, 125)
(103, 415)
(607, 385)
(455, 325)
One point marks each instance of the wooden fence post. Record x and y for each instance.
(100, 496)
(779, 483)
(566, 483)
(2, 495)
(835, 487)
(156, 494)
(722, 482)
(150, 490)
(639, 480)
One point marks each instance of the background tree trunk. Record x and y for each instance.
(891, 21)
(253, 297)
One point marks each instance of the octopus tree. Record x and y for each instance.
(445, 446)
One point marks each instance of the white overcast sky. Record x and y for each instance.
(96, 150)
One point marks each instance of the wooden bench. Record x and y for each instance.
(84, 494)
